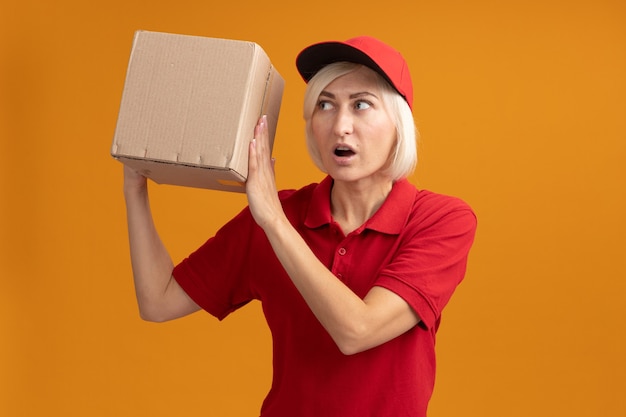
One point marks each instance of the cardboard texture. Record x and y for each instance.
(189, 108)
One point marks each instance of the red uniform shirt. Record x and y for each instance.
(415, 245)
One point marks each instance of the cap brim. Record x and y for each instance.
(317, 56)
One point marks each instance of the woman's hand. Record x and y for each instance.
(133, 181)
(261, 184)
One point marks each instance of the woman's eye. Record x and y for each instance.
(324, 105)
(362, 105)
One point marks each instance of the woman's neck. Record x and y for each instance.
(353, 204)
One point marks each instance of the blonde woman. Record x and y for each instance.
(352, 272)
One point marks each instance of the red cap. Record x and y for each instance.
(364, 50)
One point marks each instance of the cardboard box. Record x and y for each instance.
(189, 108)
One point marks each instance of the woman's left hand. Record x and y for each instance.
(261, 184)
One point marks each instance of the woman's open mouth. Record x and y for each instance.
(343, 152)
(343, 155)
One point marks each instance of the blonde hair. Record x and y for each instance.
(403, 159)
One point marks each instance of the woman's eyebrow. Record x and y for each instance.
(352, 96)
(363, 93)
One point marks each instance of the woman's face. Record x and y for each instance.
(351, 128)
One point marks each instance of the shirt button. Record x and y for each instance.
(342, 251)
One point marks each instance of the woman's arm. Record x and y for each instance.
(159, 296)
(355, 324)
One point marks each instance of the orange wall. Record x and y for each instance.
(521, 105)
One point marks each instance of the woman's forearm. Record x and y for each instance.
(355, 324)
(159, 297)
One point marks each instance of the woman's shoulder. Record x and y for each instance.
(431, 208)
(297, 193)
(435, 200)
(425, 200)
(297, 200)
(310, 200)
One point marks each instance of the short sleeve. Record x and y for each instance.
(216, 275)
(432, 258)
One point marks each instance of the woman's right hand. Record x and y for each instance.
(133, 180)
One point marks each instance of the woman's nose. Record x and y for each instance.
(343, 123)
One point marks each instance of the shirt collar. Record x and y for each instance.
(319, 207)
(390, 218)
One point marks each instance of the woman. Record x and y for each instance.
(352, 272)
